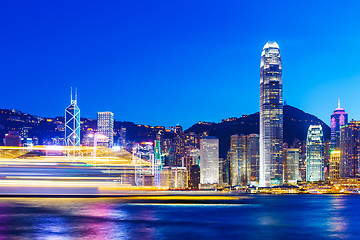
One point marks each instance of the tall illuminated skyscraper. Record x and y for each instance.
(338, 119)
(315, 154)
(72, 123)
(209, 160)
(271, 116)
(244, 159)
(105, 126)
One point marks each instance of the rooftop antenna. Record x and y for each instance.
(76, 95)
(339, 103)
(71, 95)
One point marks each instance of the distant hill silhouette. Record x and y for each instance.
(296, 124)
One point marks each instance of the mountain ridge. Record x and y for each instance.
(296, 124)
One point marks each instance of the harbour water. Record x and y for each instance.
(261, 217)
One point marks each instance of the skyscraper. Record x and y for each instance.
(334, 164)
(105, 126)
(315, 154)
(350, 149)
(271, 116)
(338, 119)
(72, 123)
(122, 137)
(244, 159)
(253, 157)
(237, 148)
(209, 160)
(179, 145)
(291, 165)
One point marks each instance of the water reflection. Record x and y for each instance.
(270, 217)
(337, 223)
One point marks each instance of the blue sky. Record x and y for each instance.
(170, 62)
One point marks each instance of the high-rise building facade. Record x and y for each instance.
(350, 149)
(209, 160)
(194, 178)
(291, 165)
(338, 119)
(253, 157)
(105, 127)
(315, 154)
(238, 160)
(244, 159)
(334, 165)
(271, 116)
(122, 137)
(179, 145)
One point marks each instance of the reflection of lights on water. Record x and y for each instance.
(268, 221)
(336, 221)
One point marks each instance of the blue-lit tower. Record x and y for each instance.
(72, 127)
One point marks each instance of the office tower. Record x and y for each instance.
(221, 171)
(179, 145)
(338, 119)
(226, 169)
(253, 157)
(334, 164)
(179, 177)
(105, 127)
(301, 145)
(315, 154)
(165, 177)
(350, 149)
(271, 116)
(122, 138)
(327, 150)
(291, 165)
(239, 162)
(194, 177)
(235, 155)
(244, 159)
(209, 161)
(72, 125)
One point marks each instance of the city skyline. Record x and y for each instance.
(170, 58)
(186, 119)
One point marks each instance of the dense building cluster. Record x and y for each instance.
(193, 159)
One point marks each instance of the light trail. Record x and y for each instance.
(48, 167)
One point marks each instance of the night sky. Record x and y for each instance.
(176, 62)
